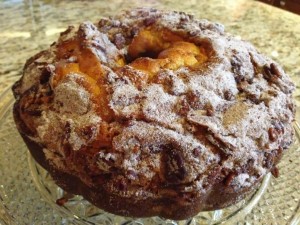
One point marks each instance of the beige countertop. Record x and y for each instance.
(30, 26)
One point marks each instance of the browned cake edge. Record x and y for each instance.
(220, 196)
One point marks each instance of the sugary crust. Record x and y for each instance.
(170, 206)
(156, 109)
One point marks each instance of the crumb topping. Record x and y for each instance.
(154, 100)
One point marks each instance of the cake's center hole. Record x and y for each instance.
(152, 50)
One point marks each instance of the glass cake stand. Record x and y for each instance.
(28, 194)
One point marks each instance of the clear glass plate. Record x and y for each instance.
(28, 194)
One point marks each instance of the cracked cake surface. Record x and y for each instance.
(156, 109)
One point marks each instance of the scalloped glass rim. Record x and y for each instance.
(38, 175)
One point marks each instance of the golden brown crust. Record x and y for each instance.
(156, 111)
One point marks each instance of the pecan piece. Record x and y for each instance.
(174, 168)
(63, 200)
(228, 95)
(209, 110)
(119, 41)
(267, 73)
(271, 72)
(197, 151)
(274, 70)
(253, 98)
(230, 177)
(275, 172)
(273, 134)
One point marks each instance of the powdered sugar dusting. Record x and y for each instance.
(185, 127)
(242, 180)
(158, 105)
(53, 127)
(33, 71)
(70, 97)
(99, 44)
